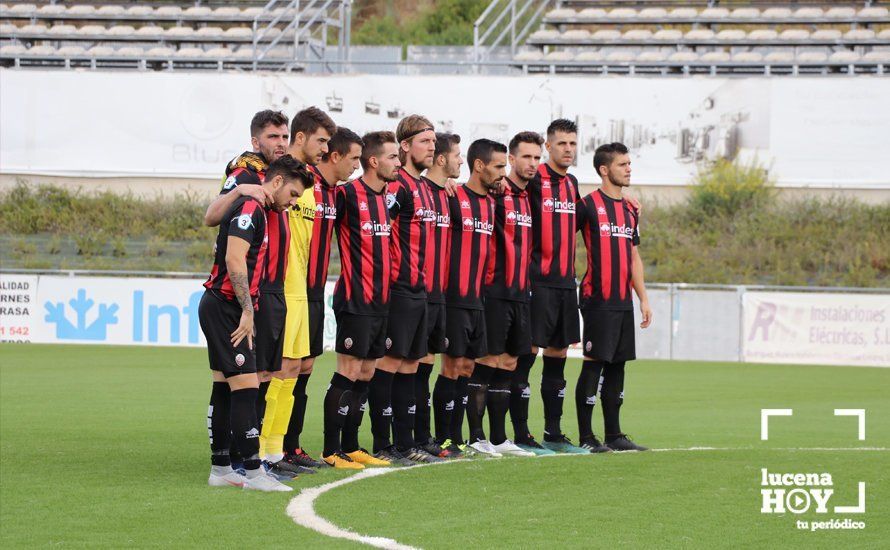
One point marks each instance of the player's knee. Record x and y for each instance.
(264, 376)
(556, 352)
(508, 362)
(489, 360)
(306, 366)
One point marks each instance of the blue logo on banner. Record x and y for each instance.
(79, 330)
(170, 313)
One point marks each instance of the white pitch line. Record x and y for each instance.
(301, 508)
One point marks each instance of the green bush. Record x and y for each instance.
(725, 188)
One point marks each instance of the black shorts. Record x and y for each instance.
(508, 327)
(554, 316)
(219, 318)
(609, 335)
(362, 336)
(465, 333)
(269, 343)
(437, 340)
(406, 333)
(316, 328)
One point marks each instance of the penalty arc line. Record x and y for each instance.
(301, 508)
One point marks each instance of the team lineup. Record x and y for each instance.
(482, 274)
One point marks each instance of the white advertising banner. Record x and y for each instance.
(161, 124)
(814, 328)
(18, 297)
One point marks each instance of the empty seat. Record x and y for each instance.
(33, 28)
(745, 13)
(591, 55)
(226, 11)
(62, 30)
(18, 49)
(543, 34)
(668, 35)
(809, 13)
(621, 56)
(714, 13)
(189, 52)
(779, 56)
(100, 51)
(280, 53)
(160, 51)
(151, 31)
(198, 11)
(715, 57)
(812, 56)
(826, 34)
(238, 32)
(607, 34)
(251, 12)
(700, 34)
(873, 12)
(559, 55)
(591, 13)
(623, 13)
(878, 56)
(23, 9)
(637, 34)
(762, 34)
(209, 32)
(8, 29)
(244, 52)
(271, 33)
(683, 57)
(81, 9)
(840, 13)
(683, 13)
(529, 55)
(219, 53)
(653, 13)
(129, 51)
(731, 34)
(139, 11)
(111, 10)
(576, 34)
(560, 13)
(794, 34)
(121, 30)
(51, 9)
(91, 30)
(42, 50)
(845, 56)
(747, 57)
(168, 11)
(884, 34)
(71, 51)
(776, 13)
(179, 32)
(652, 56)
(859, 34)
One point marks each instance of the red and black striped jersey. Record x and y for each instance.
(472, 223)
(363, 233)
(511, 246)
(610, 229)
(553, 199)
(322, 231)
(408, 201)
(246, 220)
(438, 244)
(249, 169)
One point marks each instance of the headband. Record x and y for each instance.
(414, 133)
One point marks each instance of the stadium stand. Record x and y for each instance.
(274, 35)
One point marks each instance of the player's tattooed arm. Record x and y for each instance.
(236, 265)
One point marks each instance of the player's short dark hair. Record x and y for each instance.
(309, 120)
(606, 152)
(374, 142)
(290, 168)
(562, 125)
(482, 149)
(341, 142)
(525, 137)
(444, 142)
(266, 118)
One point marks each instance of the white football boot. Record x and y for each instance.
(508, 448)
(485, 448)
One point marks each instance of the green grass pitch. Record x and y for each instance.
(107, 447)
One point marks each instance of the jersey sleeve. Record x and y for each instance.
(574, 182)
(239, 176)
(581, 214)
(247, 220)
(396, 196)
(636, 236)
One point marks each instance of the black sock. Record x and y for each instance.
(354, 421)
(297, 415)
(218, 424)
(498, 403)
(585, 396)
(612, 396)
(403, 411)
(520, 395)
(422, 399)
(457, 415)
(443, 405)
(245, 426)
(337, 401)
(380, 400)
(553, 390)
(477, 395)
(261, 403)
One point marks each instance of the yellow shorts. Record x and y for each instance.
(296, 328)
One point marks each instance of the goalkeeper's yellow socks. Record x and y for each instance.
(269, 417)
(284, 406)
